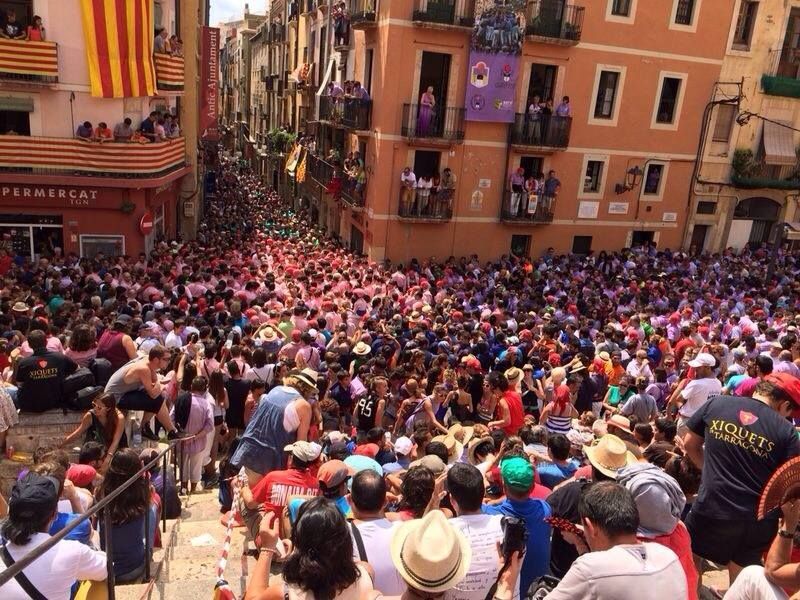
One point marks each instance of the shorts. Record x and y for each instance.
(140, 400)
(724, 540)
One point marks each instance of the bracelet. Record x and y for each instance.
(267, 551)
(785, 533)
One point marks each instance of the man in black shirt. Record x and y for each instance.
(739, 442)
(148, 126)
(41, 376)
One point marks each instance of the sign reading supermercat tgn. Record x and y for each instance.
(494, 61)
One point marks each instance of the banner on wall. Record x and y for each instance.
(209, 82)
(494, 61)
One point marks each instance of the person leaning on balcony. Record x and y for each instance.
(532, 189)
(85, 130)
(408, 181)
(360, 93)
(12, 30)
(424, 186)
(564, 109)
(123, 132)
(447, 187)
(160, 43)
(102, 133)
(517, 183)
(552, 185)
(36, 32)
(148, 126)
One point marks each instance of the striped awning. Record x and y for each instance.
(78, 155)
(34, 59)
(169, 72)
(779, 146)
(119, 37)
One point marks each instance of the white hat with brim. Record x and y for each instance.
(362, 349)
(609, 454)
(703, 360)
(455, 449)
(431, 555)
(307, 376)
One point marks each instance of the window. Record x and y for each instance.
(704, 207)
(684, 12)
(110, 245)
(593, 177)
(652, 181)
(745, 23)
(581, 244)
(670, 88)
(726, 115)
(521, 245)
(620, 8)
(606, 95)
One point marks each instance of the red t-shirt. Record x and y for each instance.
(679, 349)
(517, 413)
(275, 489)
(539, 492)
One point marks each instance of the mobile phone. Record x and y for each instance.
(515, 536)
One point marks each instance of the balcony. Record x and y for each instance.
(522, 208)
(169, 72)
(337, 182)
(783, 77)
(425, 206)
(75, 156)
(34, 62)
(547, 133)
(437, 125)
(553, 22)
(444, 13)
(363, 14)
(350, 113)
(753, 173)
(277, 34)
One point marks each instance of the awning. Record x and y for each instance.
(779, 144)
(16, 104)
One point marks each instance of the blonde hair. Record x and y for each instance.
(558, 375)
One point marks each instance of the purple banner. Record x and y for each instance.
(491, 86)
(494, 62)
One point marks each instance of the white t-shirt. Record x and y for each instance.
(377, 537)
(483, 532)
(411, 181)
(624, 572)
(57, 569)
(173, 340)
(696, 394)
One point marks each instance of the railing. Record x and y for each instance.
(29, 61)
(169, 72)
(422, 121)
(277, 34)
(444, 12)
(527, 208)
(337, 182)
(362, 13)
(783, 75)
(20, 564)
(426, 204)
(76, 156)
(543, 131)
(554, 19)
(352, 113)
(758, 174)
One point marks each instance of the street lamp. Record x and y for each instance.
(633, 177)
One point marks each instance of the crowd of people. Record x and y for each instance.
(157, 127)
(615, 424)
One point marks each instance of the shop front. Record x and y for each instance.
(35, 220)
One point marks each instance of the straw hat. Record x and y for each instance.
(620, 422)
(513, 374)
(20, 307)
(473, 445)
(455, 449)
(430, 555)
(361, 349)
(462, 433)
(269, 335)
(307, 376)
(609, 454)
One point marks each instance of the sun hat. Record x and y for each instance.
(604, 356)
(431, 555)
(473, 446)
(513, 374)
(609, 454)
(703, 359)
(307, 376)
(305, 451)
(361, 349)
(431, 462)
(517, 473)
(20, 307)
(455, 449)
(461, 432)
(784, 485)
(620, 422)
(269, 334)
(403, 445)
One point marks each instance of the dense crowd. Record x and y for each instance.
(560, 427)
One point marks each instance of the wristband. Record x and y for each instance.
(785, 533)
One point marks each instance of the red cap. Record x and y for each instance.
(474, 363)
(219, 306)
(81, 475)
(295, 335)
(789, 385)
(370, 450)
(183, 305)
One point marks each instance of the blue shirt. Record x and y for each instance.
(551, 474)
(537, 553)
(341, 504)
(82, 533)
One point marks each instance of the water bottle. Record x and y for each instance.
(136, 433)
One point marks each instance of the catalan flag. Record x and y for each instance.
(301, 169)
(119, 47)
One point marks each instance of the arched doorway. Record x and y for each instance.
(753, 220)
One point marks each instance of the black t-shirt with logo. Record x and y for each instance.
(745, 442)
(40, 378)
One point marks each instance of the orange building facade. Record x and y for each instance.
(638, 75)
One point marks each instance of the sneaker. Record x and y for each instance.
(147, 433)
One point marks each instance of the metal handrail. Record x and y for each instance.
(12, 571)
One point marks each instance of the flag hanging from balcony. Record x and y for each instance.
(300, 177)
(119, 47)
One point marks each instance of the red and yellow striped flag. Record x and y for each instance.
(119, 47)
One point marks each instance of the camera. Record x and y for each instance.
(515, 536)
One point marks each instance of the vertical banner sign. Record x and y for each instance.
(209, 81)
(494, 61)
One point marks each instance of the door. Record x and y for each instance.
(367, 83)
(640, 238)
(435, 73)
(356, 240)
(542, 82)
(699, 238)
(426, 163)
(521, 245)
(532, 165)
(581, 244)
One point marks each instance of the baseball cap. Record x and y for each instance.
(333, 473)
(370, 450)
(32, 496)
(403, 445)
(432, 462)
(305, 451)
(81, 475)
(789, 385)
(473, 363)
(704, 359)
(517, 473)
